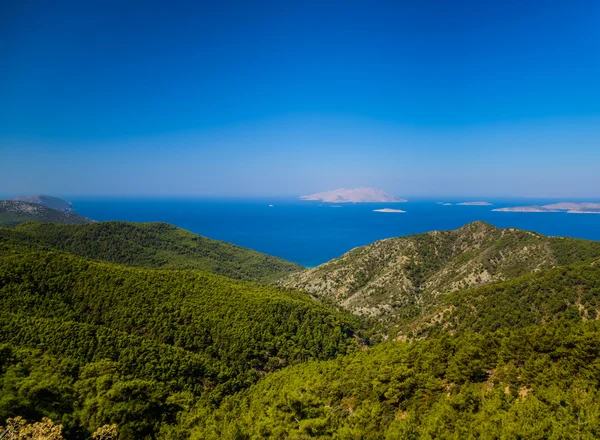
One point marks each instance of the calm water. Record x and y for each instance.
(311, 233)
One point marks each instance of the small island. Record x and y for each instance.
(533, 208)
(576, 208)
(568, 207)
(356, 195)
(388, 210)
(475, 204)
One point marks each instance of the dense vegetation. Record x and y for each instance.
(14, 212)
(90, 343)
(155, 245)
(531, 383)
(566, 292)
(156, 351)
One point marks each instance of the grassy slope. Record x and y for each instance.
(154, 245)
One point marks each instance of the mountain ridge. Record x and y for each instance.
(151, 245)
(394, 278)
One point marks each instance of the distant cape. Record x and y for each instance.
(356, 195)
(48, 201)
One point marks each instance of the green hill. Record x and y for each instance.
(90, 343)
(14, 212)
(152, 245)
(396, 279)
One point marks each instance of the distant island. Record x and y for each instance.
(356, 195)
(388, 210)
(475, 204)
(533, 208)
(568, 207)
(48, 201)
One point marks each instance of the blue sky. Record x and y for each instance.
(284, 98)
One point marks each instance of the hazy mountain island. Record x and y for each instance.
(356, 195)
(14, 212)
(475, 204)
(569, 207)
(388, 210)
(49, 201)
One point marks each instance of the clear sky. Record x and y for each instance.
(498, 98)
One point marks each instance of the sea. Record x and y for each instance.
(311, 233)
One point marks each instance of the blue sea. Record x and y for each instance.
(310, 233)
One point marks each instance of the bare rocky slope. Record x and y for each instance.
(397, 278)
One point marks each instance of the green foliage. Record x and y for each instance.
(166, 352)
(567, 292)
(536, 382)
(571, 250)
(153, 245)
(94, 343)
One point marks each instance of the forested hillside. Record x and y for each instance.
(532, 383)
(395, 279)
(14, 212)
(89, 343)
(566, 292)
(153, 245)
(155, 351)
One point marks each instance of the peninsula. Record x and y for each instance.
(48, 201)
(356, 195)
(14, 212)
